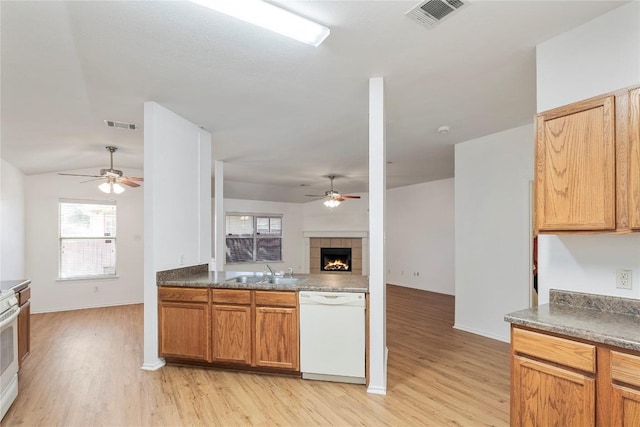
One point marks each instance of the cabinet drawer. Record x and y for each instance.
(625, 368)
(24, 295)
(275, 298)
(183, 294)
(231, 296)
(559, 350)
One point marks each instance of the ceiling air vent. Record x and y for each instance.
(120, 125)
(431, 12)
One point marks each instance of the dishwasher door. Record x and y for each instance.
(332, 336)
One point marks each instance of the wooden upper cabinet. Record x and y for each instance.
(634, 159)
(575, 167)
(588, 165)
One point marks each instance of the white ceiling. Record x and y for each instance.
(281, 113)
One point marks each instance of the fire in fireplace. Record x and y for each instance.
(335, 259)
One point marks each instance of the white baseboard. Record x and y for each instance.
(377, 390)
(153, 366)
(482, 333)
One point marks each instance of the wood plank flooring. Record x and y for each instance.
(84, 370)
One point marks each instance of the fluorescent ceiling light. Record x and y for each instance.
(271, 17)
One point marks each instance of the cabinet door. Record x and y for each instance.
(634, 159)
(547, 395)
(625, 394)
(24, 332)
(276, 341)
(575, 167)
(231, 334)
(184, 330)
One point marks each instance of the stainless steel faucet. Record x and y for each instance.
(273, 273)
(290, 272)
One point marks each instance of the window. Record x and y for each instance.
(87, 239)
(253, 238)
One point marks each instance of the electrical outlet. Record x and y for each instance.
(181, 259)
(623, 279)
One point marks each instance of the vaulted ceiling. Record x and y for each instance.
(282, 114)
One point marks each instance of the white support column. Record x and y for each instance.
(377, 268)
(151, 360)
(219, 215)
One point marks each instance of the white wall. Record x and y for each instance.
(292, 240)
(492, 230)
(12, 246)
(420, 236)
(42, 195)
(600, 56)
(177, 207)
(587, 264)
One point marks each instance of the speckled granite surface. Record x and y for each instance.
(197, 278)
(602, 319)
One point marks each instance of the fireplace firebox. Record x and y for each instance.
(335, 259)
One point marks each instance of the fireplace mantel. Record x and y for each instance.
(337, 234)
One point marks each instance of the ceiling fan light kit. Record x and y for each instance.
(111, 188)
(332, 197)
(113, 177)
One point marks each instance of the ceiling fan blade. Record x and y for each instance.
(126, 181)
(134, 178)
(91, 180)
(346, 196)
(315, 195)
(76, 174)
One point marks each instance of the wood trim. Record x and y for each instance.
(634, 159)
(622, 159)
(558, 350)
(183, 294)
(603, 386)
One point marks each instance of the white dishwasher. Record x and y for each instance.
(332, 336)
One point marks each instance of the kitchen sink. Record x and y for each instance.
(248, 279)
(283, 280)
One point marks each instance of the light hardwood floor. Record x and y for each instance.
(84, 370)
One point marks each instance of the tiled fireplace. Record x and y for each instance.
(335, 255)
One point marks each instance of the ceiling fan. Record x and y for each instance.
(113, 177)
(332, 197)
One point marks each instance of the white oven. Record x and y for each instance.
(9, 311)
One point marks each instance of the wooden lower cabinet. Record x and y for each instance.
(184, 317)
(24, 332)
(277, 339)
(244, 328)
(231, 320)
(625, 394)
(548, 395)
(559, 381)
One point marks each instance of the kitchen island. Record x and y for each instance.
(241, 320)
(22, 290)
(576, 361)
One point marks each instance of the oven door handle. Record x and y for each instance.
(10, 318)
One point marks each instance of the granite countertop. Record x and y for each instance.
(602, 319)
(199, 277)
(16, 285)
